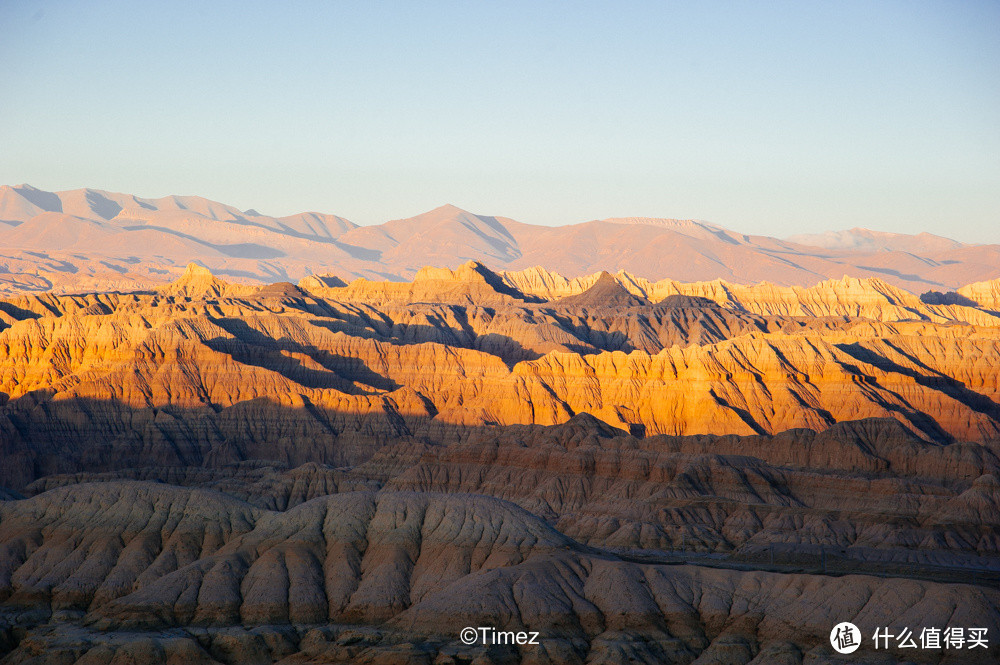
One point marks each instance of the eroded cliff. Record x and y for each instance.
(340, 472)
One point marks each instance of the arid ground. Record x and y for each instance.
(638, 472)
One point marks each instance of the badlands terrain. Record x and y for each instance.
(638, 468)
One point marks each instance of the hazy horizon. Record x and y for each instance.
(501, 214)
(778, 120)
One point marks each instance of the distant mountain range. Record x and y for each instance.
(90, 240)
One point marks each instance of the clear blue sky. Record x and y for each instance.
(768, 117)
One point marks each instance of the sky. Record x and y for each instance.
(773, 118)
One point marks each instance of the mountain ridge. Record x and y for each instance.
(95, 240)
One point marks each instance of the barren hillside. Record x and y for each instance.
(94, 240)
(352, 472)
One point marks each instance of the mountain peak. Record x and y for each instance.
(436, 236)
(197, 281)
(471, 272)
(607, 291)
(194, 271)
(441, 213)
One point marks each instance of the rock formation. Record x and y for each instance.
(198, 283)
(985, 294)
(393, 576)
(605, 292)
(640, 472)
(870, 298)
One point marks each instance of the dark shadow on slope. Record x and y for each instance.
(895, 273)
(743, 414)
(361, 253)
(357, 252)
(937, 381)
(500, 286)
(101, 205)
(921, 421)
(47, 201)
(704, 493)
(330, 281)
(239, 251)
(505, 250)
(369, 323)
(18, 313)
(41, 437)
(651, 329)
(948, 298)
(338, 372)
